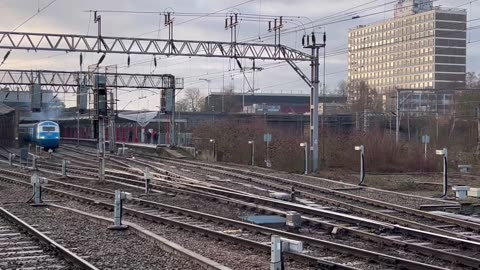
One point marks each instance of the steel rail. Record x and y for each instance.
(67, 254)
(374, 256)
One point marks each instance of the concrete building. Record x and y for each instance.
(411, 7)
(423, 47)
(272, 103)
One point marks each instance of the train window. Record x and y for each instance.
(48, 128)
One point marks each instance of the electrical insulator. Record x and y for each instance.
(101, 59)
(275, 23)
(226, 23)
(303, 40)
(324, 37)
(6, 55)
(239, 64)
(308, 40)
(281, 21)
(269, 26)
(154, 61)
(81, 59)
(128, 60)
(166, 19)
(231, 20)
(236, 20)
(314, 40)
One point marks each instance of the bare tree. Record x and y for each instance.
(342, 88)
(191, 102)
(193, 98)
(182, 105)
(472, 80)
(362, 97)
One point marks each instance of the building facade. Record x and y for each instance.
(416, 50)
(411, 7)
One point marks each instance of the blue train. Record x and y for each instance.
(45, 134)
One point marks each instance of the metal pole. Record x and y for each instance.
(101, 169)
(78, 129)
(276, 253)
(445, 172)
(425, 152)
(397, 126)
(314, 109)
(306, 158)
(252, 156)
(362, 165)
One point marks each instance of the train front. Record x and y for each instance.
(48, 135)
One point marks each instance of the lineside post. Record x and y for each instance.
(120, 197)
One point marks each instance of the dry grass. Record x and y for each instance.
(381, 152)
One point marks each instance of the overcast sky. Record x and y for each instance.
(69, 16)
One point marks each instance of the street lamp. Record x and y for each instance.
(305, 146)
(444, 153)
(252, 153)
(208, 97)
(214, 149)
(361, 148)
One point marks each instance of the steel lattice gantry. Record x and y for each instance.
(69, 81)
(125, 45)
(147, 46)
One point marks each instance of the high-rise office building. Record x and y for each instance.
(411, 7)
(422, 48)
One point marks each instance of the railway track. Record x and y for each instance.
(24, 247)
(192, 220)
(412, 244)
(313, 195)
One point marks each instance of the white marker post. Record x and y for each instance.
(252, 153)
(305, 146)
(361, 148)
(444, 154)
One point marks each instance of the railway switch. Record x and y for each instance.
(120, 197)
(37, 183)
(461, 192)
(294, 221)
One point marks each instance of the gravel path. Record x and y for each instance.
(104, 248)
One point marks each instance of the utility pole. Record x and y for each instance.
(397, 125)
(169, 22)
(313, 97)
(478, 129)
(98, 19)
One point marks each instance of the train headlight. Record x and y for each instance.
(41, 137)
